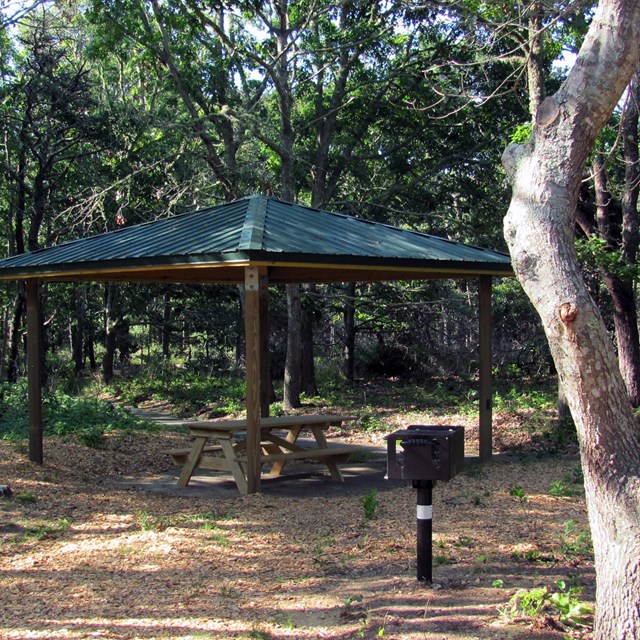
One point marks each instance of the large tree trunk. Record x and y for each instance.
(546, 174)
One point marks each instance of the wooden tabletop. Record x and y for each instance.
(267, 423)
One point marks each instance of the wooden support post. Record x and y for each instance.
(265, 375)
(253, 365)
(34, 370)
(485, 391)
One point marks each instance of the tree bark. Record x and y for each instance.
(112, 325)
(620, 288)
(546, 175)
(167, 313)
(535, 57)
(349, 315)
(16, 334)
(77, 331)
(291, 398)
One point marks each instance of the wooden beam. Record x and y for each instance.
(34, 370)
(253, 366)
(485, 391)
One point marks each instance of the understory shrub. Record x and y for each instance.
(86, 418)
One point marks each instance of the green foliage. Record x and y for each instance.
(597, 253)
(349, 601)
(186, 390)
(370, 504)
(85, 418)
(522, 133)
(257, 634)
(564, 602)
(46, 530)
(568, 605)
(559, 488)
(26, 497)
(370, 423)
(518, 492)
(574, 542)
(528, 602)
(149, 522)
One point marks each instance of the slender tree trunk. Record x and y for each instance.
(307, 368)
(625, 317)
(112, 321)
(166, 326)
(77, 331)
(535, 58)
(349, 315)
(546, 174)
(620, 289)
(16, 334)
(281, 77)
(628, 333)
(292, 380)
(5, 343)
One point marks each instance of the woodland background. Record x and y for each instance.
(119, 112)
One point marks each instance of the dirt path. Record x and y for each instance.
(83, 556)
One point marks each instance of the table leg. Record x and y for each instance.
(291, 438)
(239, 474)
(192, 461)
(321, 440)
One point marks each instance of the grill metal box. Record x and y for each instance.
(426, 453)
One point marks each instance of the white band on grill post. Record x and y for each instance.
(424, 512)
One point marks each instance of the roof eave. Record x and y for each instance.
(284, 267)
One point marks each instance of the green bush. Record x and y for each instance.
(85, 418)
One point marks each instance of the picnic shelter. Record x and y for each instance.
(255, 242)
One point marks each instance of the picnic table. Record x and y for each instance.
(221, 446)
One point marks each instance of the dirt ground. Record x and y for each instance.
(99, 543)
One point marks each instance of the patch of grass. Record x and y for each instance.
(575, 543)
(370, 504)
(25, 497)
(464, 541)
(215, 534)
(561, 490)
(370, 423)
(285, 620)
(257, 634)
(149, 522)
(46, 530)
(321, 543)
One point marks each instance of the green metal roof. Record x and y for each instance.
(289, 239)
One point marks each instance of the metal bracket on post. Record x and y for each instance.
(251, 279)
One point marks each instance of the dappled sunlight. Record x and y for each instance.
(102, 557)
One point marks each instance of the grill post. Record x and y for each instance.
(424, 518)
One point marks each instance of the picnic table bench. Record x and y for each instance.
(221, 446)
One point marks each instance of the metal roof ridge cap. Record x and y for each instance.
(253, 230)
